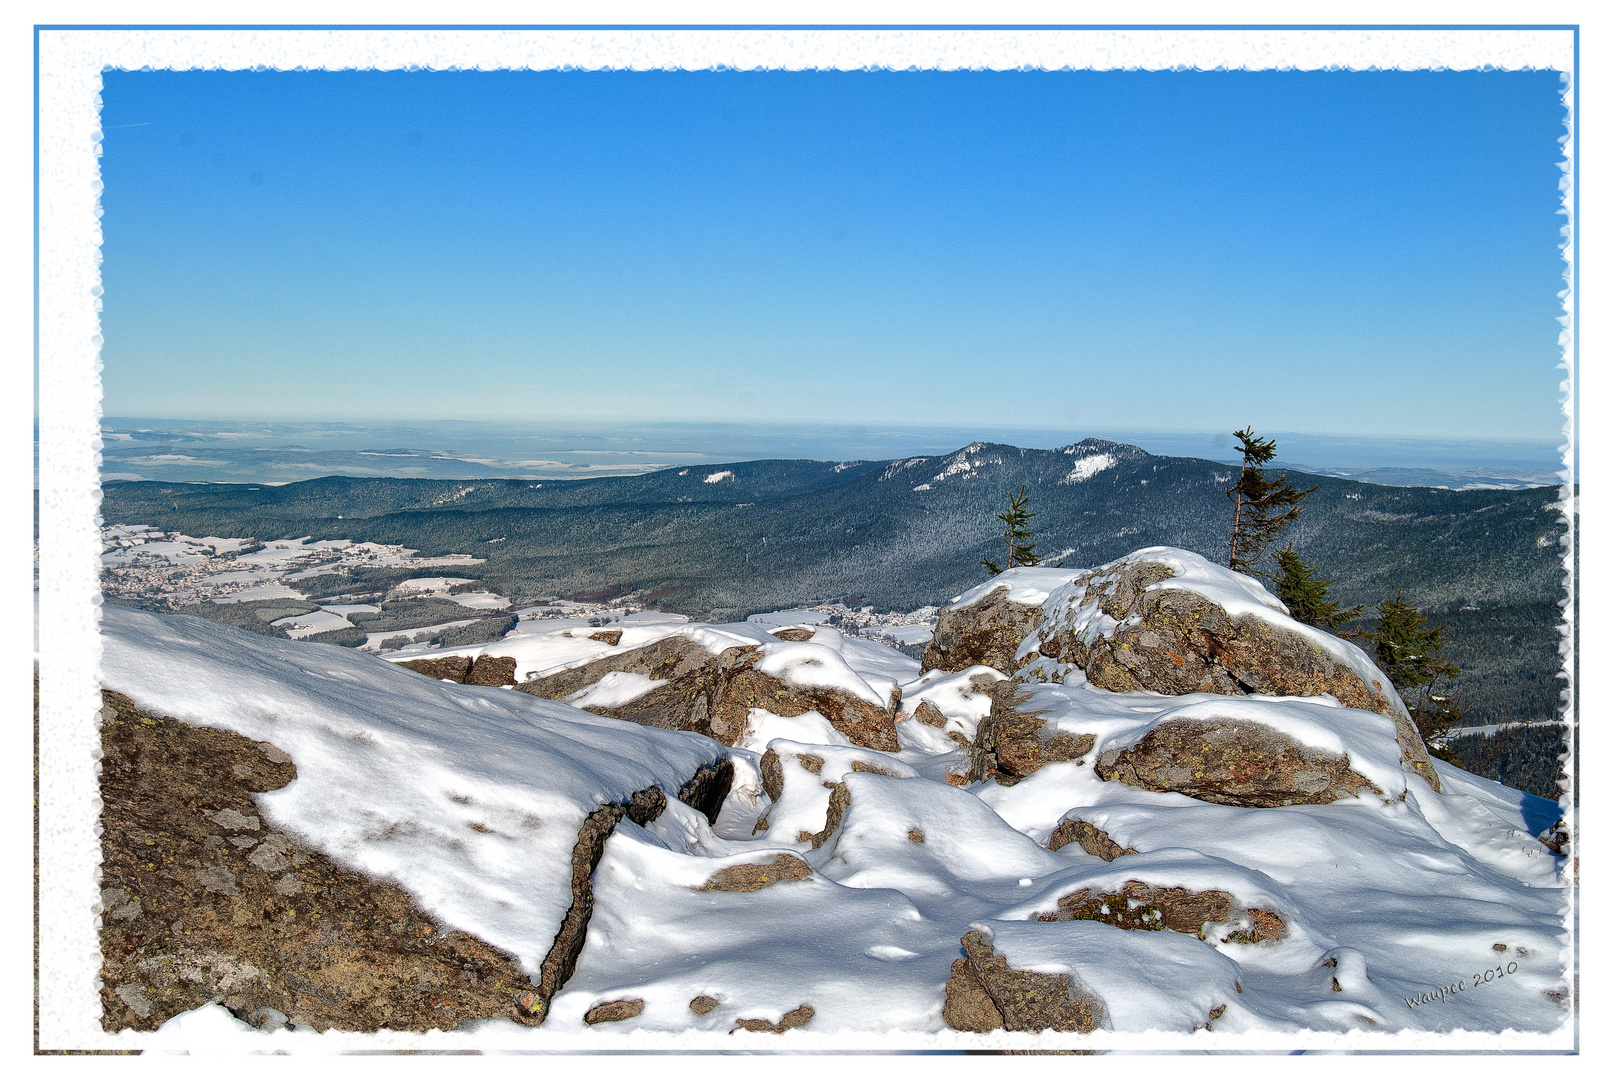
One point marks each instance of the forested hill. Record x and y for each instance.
(719, 542)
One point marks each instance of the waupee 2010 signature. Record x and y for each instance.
(1500, 971)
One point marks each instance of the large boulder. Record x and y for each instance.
(1171, 622)
(1233, 762)
(696, 691)
(987, 624)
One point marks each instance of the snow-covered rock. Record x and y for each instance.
(986, 624)
(725, 683)
(475, 800)
(1172, 622)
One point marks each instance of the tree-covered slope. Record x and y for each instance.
(900, 534)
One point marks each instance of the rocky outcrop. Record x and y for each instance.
(204, 902)
(1011, 742)
(561, 960)
(480, 671)
(1127, 637)
(708, 789)
(986, 632)
(968, 1007)
(1092, 840)
(1138, 906)
(451, 668)
(839, 803)
(713, 695)
(985, 993)
(669, 658)
(492, 671)
(1232, 762)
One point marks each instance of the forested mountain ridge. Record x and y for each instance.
(719, 542)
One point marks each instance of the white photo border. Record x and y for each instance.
(69, 66)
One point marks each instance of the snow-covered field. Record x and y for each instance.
(140, 561)
(1387, 896)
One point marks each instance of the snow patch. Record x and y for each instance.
(1031, 585)
(1088, 467)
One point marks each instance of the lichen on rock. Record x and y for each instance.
(986, 632)
(1139, 906)
(1023, 1000)
(1013, 741)
(1234, 763)
(1092, 840)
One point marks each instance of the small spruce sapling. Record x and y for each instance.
(1262, 508)
(1409, 652)
(1017, 532)
(1305, 593)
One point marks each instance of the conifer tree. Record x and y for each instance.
(1263, 507)
(1305, 593)
(1409, 652)
(1017, 532)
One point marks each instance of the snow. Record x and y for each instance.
(1085, 468)
(1029, 585)
(960, 465)
(719, 477)
(964, 697)
(314, 622)
(904, 635)
(393, 770)
(1156, 981)
(169, 551)
(428, 585)
(616, 688)
(276, 591)
(809, 664)
(548, 646)
(373, 639)
(480, 601)
(794, 617)
(348, 609)
(1392, 895)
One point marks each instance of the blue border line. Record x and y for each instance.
(36, 337)
(829, 26)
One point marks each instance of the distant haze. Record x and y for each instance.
(257, 452)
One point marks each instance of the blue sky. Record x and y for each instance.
(1348, 253)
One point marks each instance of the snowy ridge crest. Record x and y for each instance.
(858, 870)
